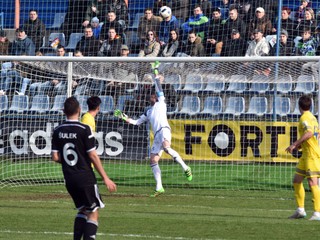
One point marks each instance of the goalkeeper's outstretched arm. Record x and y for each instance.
(118, 113)
(157, 83)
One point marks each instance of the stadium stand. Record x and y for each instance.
(190, 106)
(73, 40)
(305, 84)
(258, 106)
(39, 104)
(212, 106)
(107, 104)
(193, 84)
(58, 104)
(3, 103)
(238, 84)
(57, 21)
(19, 104)
(215, 83)
(235, 107)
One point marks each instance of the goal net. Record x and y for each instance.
(231, 118)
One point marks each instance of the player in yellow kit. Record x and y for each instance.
(309, 163)
(93, 109)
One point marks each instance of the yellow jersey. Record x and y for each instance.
(310, 148)
(88, 119)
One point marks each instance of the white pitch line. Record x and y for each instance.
(110, 234)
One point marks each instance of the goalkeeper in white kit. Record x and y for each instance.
(156, 115)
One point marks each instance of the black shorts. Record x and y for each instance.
(86, 198)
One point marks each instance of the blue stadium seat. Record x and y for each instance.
(3, 103)
(285, 84)
(19, 104)
(235, 107)
(258, 106)
(57, 21)
(190, 106)
(107, 104)
(215, 84)
(73, 41)
(282, 107)
(39, 104)
(193, 84)
(175, 80)
(305, 84)
(171, 111)
(212, 106)
(238, 84)
(260, 85)
(135, 23)
(58, 103)
(134, 87)
(47, 48)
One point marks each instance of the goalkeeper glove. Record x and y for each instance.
(155, 66)
(121, 115)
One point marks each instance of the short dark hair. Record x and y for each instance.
(93, 102)
(71, 106)
(305, 102)
(33, 10)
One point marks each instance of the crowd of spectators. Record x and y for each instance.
(178, 28)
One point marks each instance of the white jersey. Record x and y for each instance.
(155, 115)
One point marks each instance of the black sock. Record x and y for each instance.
(79, 224)
(90, 230)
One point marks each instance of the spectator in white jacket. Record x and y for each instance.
(258, 47)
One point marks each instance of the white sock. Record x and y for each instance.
(176, 157)
(300, 209)
(157, 175)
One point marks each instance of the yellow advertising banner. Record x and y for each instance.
(234, 140)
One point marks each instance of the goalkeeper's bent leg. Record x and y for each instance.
(176, 157)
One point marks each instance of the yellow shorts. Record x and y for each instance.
(308, 167)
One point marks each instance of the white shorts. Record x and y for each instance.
(163, 134)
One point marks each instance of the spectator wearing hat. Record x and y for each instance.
(287, 23)
(147, 23)
(5, 44)
(22, 45)
(213, 36)
(96, 27)
(96, 8)
(286, 45)
(308, 21)
(235, 46)
(270, 7)
(301, 10)
(88, 44)
(260, 21)
(35, 28)
(125, 51)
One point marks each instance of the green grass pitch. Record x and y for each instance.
(47, 212)
(209, 207)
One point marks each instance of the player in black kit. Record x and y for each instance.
(73, 145)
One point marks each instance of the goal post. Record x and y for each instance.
(231, 118)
